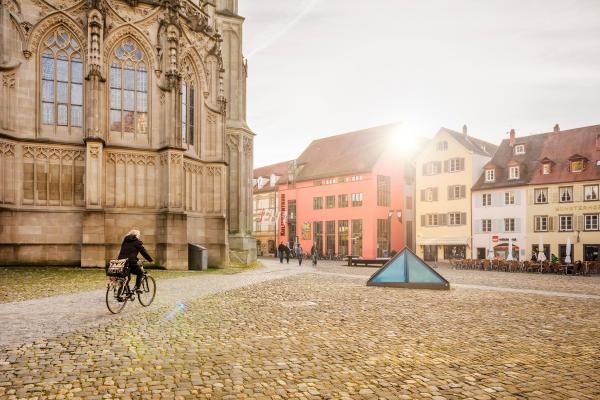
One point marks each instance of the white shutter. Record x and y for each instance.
(463, 191)
(518, 197)
(450, 192)
(530, 196)
(496, 225)
(498, 199)
(477, 226)
(463, 218)
(478, 199)
(517, 224)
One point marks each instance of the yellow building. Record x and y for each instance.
(446, 169)
(563, 195)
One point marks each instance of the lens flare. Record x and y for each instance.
(180, 307)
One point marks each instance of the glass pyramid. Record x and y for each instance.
(407, 270)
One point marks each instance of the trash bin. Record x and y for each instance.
(197, 257)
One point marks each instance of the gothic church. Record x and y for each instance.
(117, 115)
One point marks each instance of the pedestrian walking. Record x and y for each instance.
(300, 254)
(313, 254)
(287, 254)
(281, 251)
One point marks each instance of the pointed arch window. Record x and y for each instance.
(128, 90)
(187, 112)
(62, 80)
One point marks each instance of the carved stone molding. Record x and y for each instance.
(43, 27)
(248, 146)
(40, 152)
(214, 171)
(128, 31)
(7, 150)
(233, 142)
(130, 158)
(8, 79)
(193, 167)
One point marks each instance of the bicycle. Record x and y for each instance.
(118, 292)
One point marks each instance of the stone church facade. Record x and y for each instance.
(123, 114)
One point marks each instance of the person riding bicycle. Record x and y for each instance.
(131, 246)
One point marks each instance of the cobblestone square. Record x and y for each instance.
(322, 334)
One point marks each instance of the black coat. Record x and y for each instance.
(130, 248)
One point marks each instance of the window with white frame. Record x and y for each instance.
(432, 168)
(565, 194)
(357, 199)
(513, 172)
(546, 169)
(490, 175)
(454, 218)
(432, 219)
(62, 80)
(430, 194)
(486, 225)
(590, 192)
(520, 149)
(356, 178)
(509, 198)
(591, 222)
(566, 223)
(541, 223)
(442, 146)
(509, 224)
(456, 164)
(541, 196)
(486, 199)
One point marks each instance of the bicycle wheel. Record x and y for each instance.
(114, 297)
(148, 288)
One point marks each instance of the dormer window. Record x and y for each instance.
(546, 169)
(490, 175)
(513, 172)
(520, 149)
(577, 166)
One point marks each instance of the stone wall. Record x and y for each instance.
(88, 152)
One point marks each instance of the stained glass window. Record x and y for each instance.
(62, 80)
(128, 90)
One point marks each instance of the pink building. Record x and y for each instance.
(346, 196)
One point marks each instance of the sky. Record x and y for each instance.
(323, 67)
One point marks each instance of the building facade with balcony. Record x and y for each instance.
(446, 169)
(345, 195)
(265, 183)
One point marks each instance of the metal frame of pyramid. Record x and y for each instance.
(402, 260)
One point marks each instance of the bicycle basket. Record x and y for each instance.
(118, 268)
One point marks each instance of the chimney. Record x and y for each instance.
(512, 137)
(465, 130)
(556, 128)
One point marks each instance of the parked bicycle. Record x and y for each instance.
(118, 291)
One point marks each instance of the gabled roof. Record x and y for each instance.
(475, 145)
(345, 154)
(555, 147)
(279, 169)
(563, 145)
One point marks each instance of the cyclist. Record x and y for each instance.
(131, 246)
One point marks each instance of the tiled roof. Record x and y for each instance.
(280, 169)
(564, 145)
(476, 145)
(554, 147)
(344, 154)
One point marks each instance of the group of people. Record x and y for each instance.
(283, 251)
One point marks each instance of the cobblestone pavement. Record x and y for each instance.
(320, 336)
(32, 319)
(517, 280)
